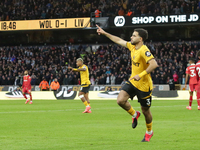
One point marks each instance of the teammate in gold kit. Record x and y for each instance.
(140, 83)
(85, 84)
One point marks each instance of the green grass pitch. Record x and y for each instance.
(60, 125)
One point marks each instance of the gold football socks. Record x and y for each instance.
(131, 111)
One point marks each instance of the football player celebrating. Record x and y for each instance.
(140, 83)
(85, 83)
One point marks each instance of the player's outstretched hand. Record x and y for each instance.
(70, 68)
(100, 30)
(136, 77)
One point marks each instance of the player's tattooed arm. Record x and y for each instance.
(77, 70)
(81, 69)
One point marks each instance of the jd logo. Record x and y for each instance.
(119, 21)
(65, 94)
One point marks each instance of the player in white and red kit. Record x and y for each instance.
(26, 87)
(191, 72)
(198, 79)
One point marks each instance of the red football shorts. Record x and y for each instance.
(198, 91)
(26, 90)
(193, 87)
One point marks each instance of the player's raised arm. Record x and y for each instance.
(111, 37)
(77, 70)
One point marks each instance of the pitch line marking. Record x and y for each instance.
(78, 109)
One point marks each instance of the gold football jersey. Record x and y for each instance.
(85, 81)
(139, 59)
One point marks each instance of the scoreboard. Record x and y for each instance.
(44, 24)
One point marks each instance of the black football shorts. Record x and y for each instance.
(85, 88)
(144, 98)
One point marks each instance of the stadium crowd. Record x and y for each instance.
(48, 9)
(108, 64)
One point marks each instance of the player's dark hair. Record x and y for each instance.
(192, 60)
(142, 33)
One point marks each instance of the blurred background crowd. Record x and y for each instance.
(108, 64)
(48, 9)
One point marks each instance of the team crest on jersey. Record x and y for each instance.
(136, 64)
(147, 53)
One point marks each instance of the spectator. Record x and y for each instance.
(107, 79)
(70, 80)
(183, 80)
(101, 80)
(123, 82)
(156, 79)
(109, 89)
(4, 81)
(79, 81)
(171, 83)
(197, 10)
(44, 86)
(51, 80)
(97, 81)
(66, 80)
(129, 13)
(112, 79)
(175, 77)
(177, 10)
(43, 15)
(108, 71)
(97, 13)
(33, 80)
(162, 80)
(55, 85)
(17, 81)
(9, 82)
(92, 81)
(121, 12)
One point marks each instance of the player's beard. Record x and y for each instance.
(134, 42)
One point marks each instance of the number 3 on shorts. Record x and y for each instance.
(148, 101)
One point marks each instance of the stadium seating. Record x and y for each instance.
(108, 64)
(45, 9)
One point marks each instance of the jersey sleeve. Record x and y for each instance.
(146, 54)
(29, 79)
(130, 46)
(84, 67)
